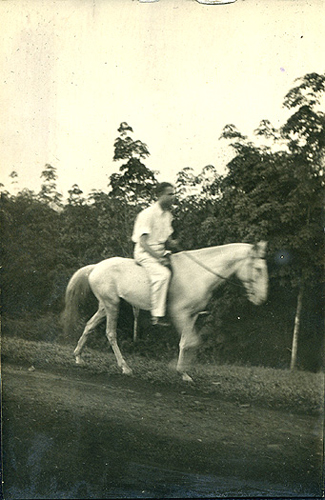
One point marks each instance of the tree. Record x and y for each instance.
(130, 190)
(75, 196)
(30, 253)
(136, 183)
(305, 135)
(197, 197)
(275, 192)
(14, 180)
(79, 237)
(48, 193)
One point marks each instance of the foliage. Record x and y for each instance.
(136, 183)
(197, 199)
(48, 193)
(30, 252)
(278, 192)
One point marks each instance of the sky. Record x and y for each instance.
(175, 70)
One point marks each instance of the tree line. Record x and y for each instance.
(272, 190)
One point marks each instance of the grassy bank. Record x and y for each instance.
(297, 390)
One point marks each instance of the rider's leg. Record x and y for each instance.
(159, 277)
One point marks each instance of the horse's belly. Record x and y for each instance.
(142, 301)
(139, 298)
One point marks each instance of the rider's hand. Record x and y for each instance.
(174, 245)
(164, 261)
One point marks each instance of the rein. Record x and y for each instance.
(211, 270)
(204, 266)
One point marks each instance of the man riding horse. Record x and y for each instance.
(152, 230)
(196, 274)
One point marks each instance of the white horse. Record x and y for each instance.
(196, 274)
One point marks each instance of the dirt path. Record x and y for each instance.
(78, 435)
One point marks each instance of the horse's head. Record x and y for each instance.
(253, 273)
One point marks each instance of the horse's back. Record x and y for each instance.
(120, 277)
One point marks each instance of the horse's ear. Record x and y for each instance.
(260, 249)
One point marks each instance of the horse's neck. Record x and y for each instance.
(223, 259)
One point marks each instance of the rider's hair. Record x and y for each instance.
(161, 188)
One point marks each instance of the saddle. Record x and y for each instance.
(168, 264)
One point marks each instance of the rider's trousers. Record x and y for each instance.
(159, 277)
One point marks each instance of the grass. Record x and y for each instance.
(296, 390)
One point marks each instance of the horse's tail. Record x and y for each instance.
(77, 295)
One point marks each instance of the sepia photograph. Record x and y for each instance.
(162, 215)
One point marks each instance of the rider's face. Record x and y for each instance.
(167, 199)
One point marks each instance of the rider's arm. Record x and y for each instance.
(144, 243)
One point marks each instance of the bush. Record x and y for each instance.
(44, 328)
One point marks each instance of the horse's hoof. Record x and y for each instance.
(126, 370)
(187, 378)
(79, 361)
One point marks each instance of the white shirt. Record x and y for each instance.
(155, 222)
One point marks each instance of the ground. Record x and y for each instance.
(69, 432)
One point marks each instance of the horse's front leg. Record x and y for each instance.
(112, 315)
(188, 344)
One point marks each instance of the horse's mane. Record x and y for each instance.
(220, 250)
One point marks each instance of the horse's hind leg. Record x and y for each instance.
(136, 312)
(91, 325)
(112, 315)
